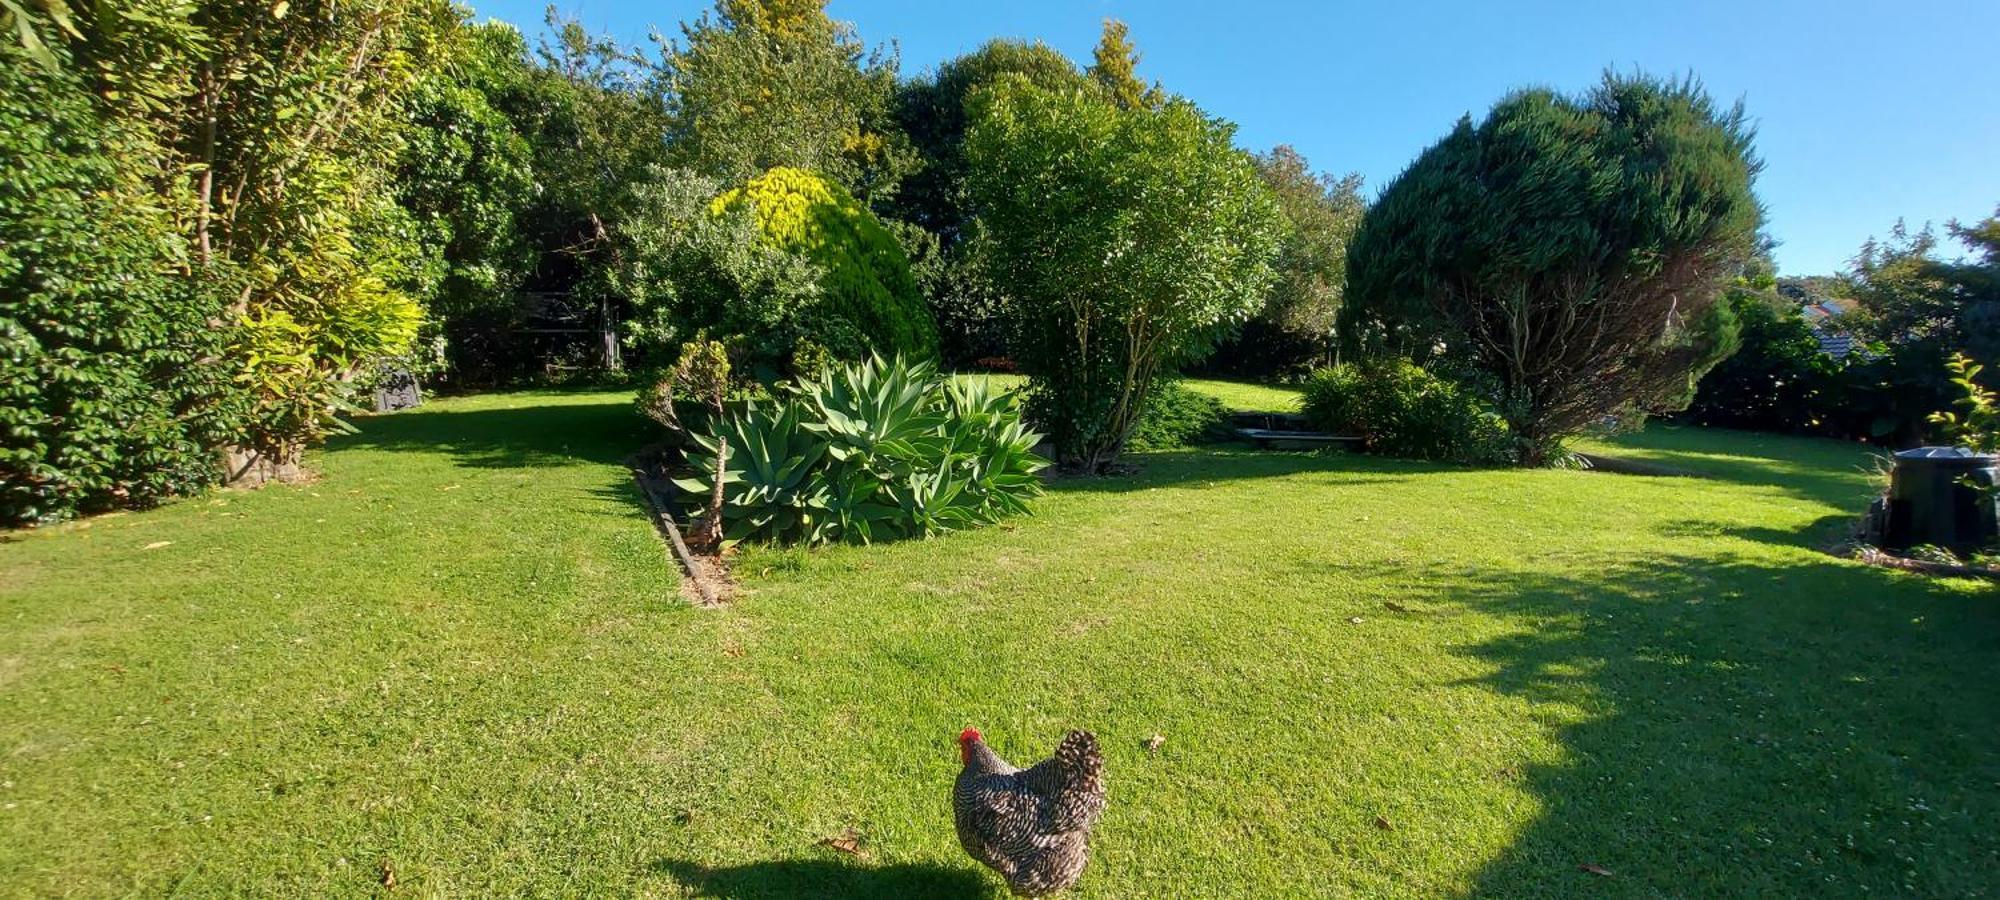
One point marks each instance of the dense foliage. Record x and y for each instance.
(1913, 312)
(868, 298)
(1177, 417)
(228, 161)
(934, 112)
(761, 84)
(464, 178)
(110, 392)
(1569, 248)
(1127, 241)
(292, 120)
(1778, 379)
(693, 268)
(1912, 299)
(223, 218)
(872, 451)
(1295, 330)
(1917, 311)
(1398, 408)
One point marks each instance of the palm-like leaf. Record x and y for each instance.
(871, 451)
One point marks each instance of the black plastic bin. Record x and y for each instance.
(1931, 502)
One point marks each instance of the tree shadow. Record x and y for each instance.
(826, 878)
(511, 437)
(1824, 533)
(1738, 728)
(1835, 473)
(1217, 464)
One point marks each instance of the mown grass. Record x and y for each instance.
(1233, 394)
(1247, 396)
(459, 657)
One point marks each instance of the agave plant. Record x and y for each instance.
(871, 451)
(997, 448)
(876, 408)
(769, 483)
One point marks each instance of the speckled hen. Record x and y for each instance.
(1030, 825)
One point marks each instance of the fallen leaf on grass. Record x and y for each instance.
(451, 487)
(157, 545)
(1595, 869)
(1355, 620)
(1393, 606)
(388, 876)
(848, 842)
(1384, 824)
(1154, 743)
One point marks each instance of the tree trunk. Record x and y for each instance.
(607, 333)
(707, 533)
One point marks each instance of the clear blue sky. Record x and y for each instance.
(1866, 111)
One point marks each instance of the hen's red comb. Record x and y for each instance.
(969, 734)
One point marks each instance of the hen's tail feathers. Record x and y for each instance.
(1079, 756)
(1081, 799)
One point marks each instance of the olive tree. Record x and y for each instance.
(1125, 241)
(1568, 251)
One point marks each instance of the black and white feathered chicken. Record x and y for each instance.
(1030, 825)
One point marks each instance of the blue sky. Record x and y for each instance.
(1866, 112)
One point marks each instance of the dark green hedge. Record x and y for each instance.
(109, 363)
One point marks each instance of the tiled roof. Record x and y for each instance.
(1832, 342)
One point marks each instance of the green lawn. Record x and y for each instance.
(460, 655)
(1253, 397)
(1233, 394)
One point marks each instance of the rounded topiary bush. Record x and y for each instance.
(869, 299)
(1399, 408)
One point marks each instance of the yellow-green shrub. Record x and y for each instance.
(869, 300)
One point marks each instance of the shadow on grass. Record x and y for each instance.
(1736, 728)
(1835, 473)
(1219, 464)
(508, 438)
(826, 878)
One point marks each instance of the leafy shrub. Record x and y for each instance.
(1777, 380)
(865, 452)
(1398, 408)
(869, 300)
(1176, 417)
(692, 269)
(1978, 427)
(1126, 241)
(110, 390)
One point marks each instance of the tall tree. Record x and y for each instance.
(595, 124)
(1295, 329)
(1126, 241)
(763, 83)
(933, 111)
(1568, 249)
(1116, 67)
(464, 175)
